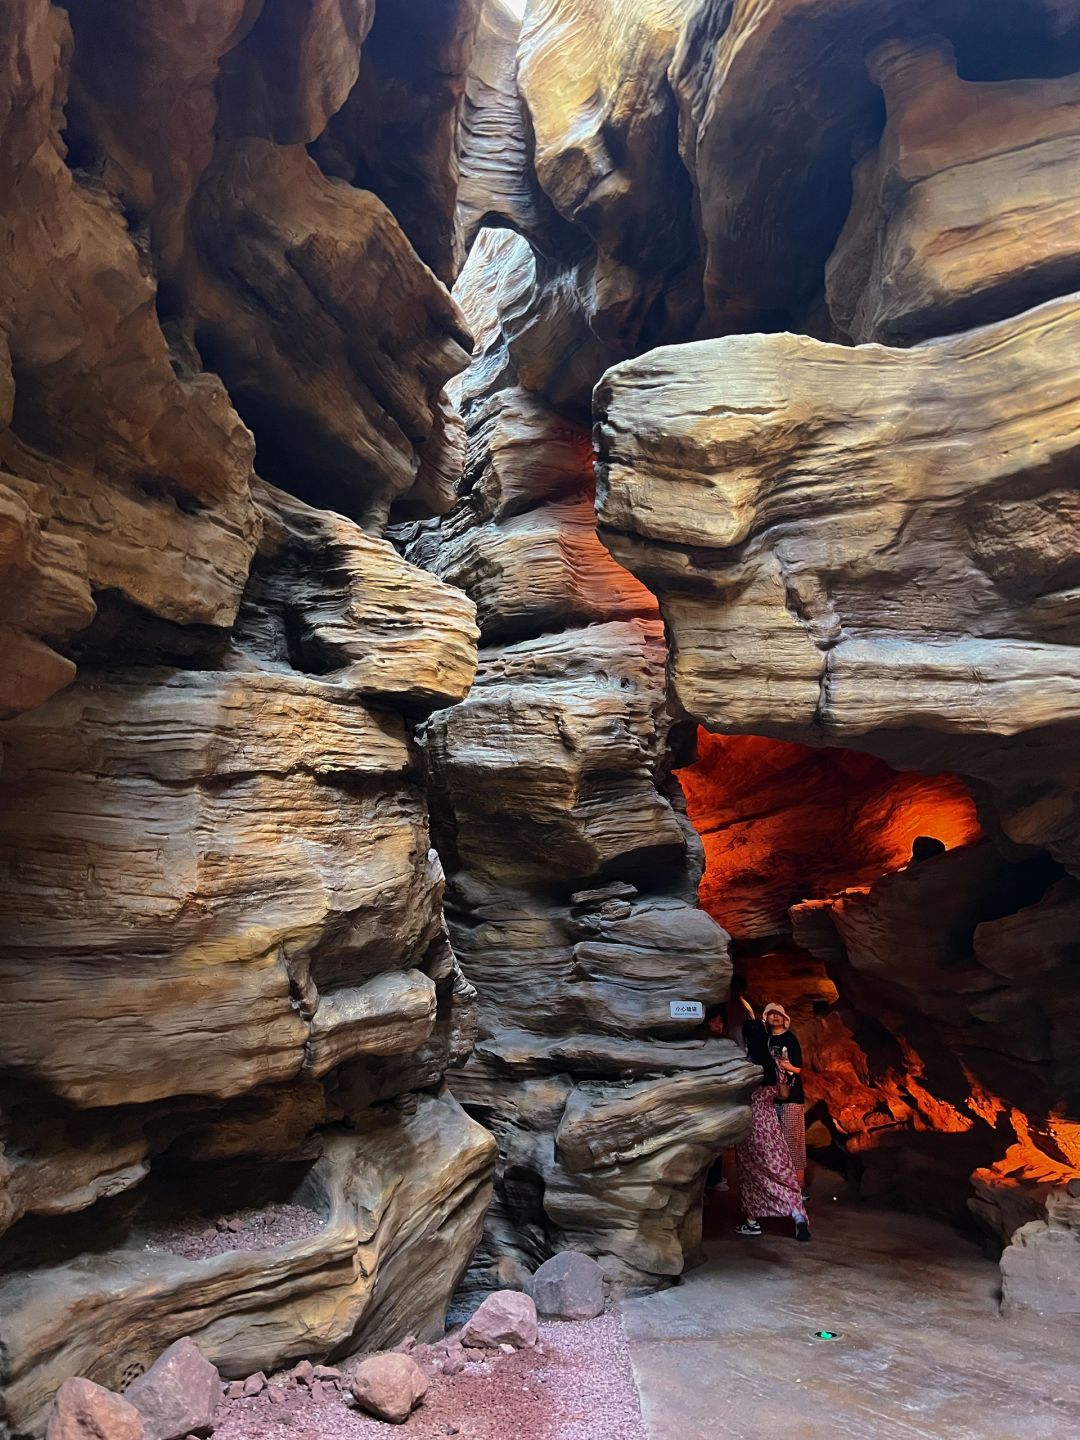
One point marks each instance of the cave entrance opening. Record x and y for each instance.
(932, 1057)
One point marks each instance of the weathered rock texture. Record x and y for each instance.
(873, 547)
(852, 546)
(224, 970)
(571, 865)
(1041, 1268)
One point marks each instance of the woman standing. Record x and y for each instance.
(767, 1181)
(790, 1097)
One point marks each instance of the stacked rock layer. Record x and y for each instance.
(863, 534)
(225, 336)
(846, 475)
(571, 866)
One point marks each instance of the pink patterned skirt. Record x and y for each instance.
(768, 1184)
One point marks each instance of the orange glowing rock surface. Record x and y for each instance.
(783, 823)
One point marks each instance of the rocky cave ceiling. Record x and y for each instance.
(504, 517)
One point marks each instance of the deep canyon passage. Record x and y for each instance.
(510, 521)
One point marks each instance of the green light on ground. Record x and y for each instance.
(826, 1335)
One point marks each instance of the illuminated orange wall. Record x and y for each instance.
(782, 823)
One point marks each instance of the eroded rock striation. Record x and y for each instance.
(826, 255)
(871, 546)
(225, 336)
(571, 866)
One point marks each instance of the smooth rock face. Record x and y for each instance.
(179, 1394)
(593, 78)
(389, 1387)
(965, 211)
(506, 1317)
(85, 1411)
(569, 1286)
(770, 207)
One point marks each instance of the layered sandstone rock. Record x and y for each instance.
(402, 1201)
(859, 577)
(835, 567)
(579, 931)
(769, 135)
(965, 210)
(870, 547)
(223, 957)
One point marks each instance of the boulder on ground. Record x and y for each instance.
(505, 1318)
(179, 1394)
(569, 1286)
(389, 1386)
(85, 1411)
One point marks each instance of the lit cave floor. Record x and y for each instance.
(728, 1354)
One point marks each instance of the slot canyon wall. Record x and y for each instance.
(226, 333)
(853, 494)
(353, 805)
(572, 870)
(855, 507)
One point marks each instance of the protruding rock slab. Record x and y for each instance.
(835, 565)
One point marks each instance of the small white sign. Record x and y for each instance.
(687, 1010)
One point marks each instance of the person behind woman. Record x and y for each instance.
(768, 1184)
(790, 1097)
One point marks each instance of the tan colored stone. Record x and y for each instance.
(44, 595)
(563, 745)
(390, 1015)
(769, 138)
(965, 213)
(831, 564)
(404, 1200)
(497, 175)
(532, 325)
(390, 1387)
(356, 610)
(593, 77)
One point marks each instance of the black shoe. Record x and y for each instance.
(802, 1230)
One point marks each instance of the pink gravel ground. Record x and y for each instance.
(576, 1385)
(261, 1229)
